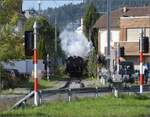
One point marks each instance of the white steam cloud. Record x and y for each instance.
(74, 43)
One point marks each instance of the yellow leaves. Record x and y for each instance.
(14, 19)
(13, 5)
(10, 10)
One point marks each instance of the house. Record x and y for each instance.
(126, 26)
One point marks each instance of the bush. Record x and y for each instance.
(60, 71)
(4, 78)
(11, 80)
(92, 64)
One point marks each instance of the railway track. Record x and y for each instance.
(136, 88)
(48, 93)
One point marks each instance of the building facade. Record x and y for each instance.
(126, 27)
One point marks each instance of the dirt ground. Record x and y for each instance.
(7, 101)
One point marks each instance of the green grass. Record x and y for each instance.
(42, 84)
(106, 106)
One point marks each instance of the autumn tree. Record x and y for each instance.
(11, 43)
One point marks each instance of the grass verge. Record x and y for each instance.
(42, 84)
(106, 106)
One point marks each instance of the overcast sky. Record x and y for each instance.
(27, 4)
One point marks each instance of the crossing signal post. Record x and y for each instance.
(141, 63)
(31, 50)
(144, 48)
(35, 61)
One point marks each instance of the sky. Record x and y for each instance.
(28, 4)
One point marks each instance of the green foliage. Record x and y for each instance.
(42, 84)
(60, 71)
(45, 38)
(89, 20)
(71, 12)
(92, 65)
(11, 43)
(29, 24)
(9, 11)
(65, 14)
(8, 80)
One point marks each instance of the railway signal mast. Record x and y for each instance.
(35, 65)
(144, 48)
(35, 61)
(109, 58)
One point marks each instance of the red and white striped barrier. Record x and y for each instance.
(141, 65)
(35, 66)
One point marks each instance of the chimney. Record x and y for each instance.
(124, 9)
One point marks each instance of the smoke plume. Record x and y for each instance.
(74, 43)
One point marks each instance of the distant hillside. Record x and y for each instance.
(71, 13)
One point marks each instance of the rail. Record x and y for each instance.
(96, 90)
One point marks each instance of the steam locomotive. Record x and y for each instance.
(75, 67)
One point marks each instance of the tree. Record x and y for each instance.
(46, 36)
(89, 20)
(11, 43)
(91, 65)
(10, 11)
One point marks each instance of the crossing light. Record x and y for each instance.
(122, 53)
(29, 43)
(145, 44)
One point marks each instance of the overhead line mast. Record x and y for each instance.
(108, 32)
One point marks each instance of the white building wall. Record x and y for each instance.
(115, 34)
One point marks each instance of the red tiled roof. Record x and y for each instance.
(116, 14)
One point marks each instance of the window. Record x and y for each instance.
(133, 35)
(148, 32)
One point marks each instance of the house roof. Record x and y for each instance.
(116, 14)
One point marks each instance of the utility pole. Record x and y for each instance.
(108, 32)
(55, 35)
(47, 67)
(118, 56)
(55, 53)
